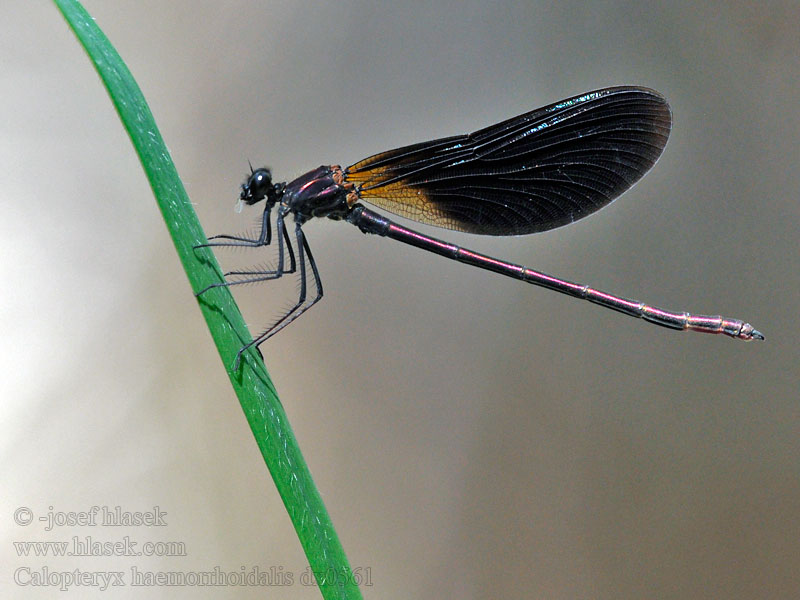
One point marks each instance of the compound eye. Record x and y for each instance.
(257, 187)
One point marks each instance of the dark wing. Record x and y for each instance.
(534, 172)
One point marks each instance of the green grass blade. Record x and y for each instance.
(251, 383)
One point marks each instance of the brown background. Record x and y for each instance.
(472, 436)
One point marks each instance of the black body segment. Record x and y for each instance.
(370, 222)
(316, 194)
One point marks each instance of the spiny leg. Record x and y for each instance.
(264, 237)
(301, 306)
(306, 249)
(292, 262)
(263, 275)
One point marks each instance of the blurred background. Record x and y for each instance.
(471, 436)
